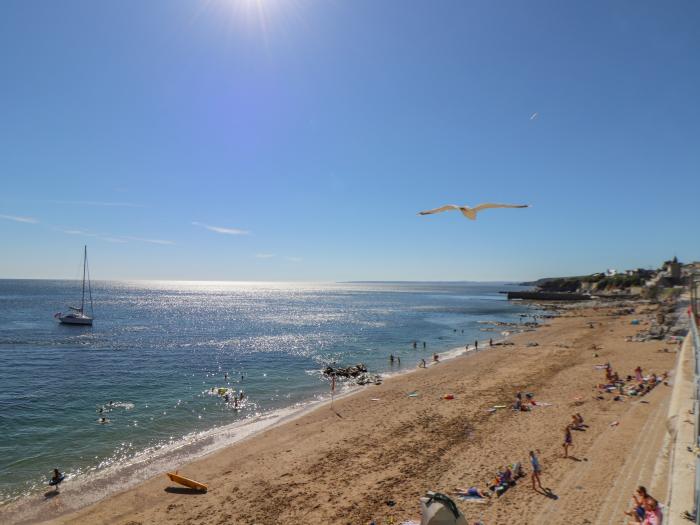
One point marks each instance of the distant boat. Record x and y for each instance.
(78, 315)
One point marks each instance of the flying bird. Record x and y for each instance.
(534, 116)
(470, 213)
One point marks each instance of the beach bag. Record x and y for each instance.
(438, 509)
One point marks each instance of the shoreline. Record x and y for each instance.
(199, 445)
(340, 466)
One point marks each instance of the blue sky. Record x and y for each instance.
(289, 140)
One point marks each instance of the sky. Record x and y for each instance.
(288, 140)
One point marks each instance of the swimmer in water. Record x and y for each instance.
(103, 420)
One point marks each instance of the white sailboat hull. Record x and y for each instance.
(75, 319)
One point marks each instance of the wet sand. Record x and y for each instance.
(342, 465)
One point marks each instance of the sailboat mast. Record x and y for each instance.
(82, 299)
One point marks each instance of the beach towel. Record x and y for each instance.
(474, 499)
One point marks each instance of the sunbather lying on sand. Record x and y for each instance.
(471, 492)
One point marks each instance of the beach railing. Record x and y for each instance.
(695, 340)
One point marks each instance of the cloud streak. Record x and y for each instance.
(265, 255)
(221, 229)
(294, 259)
(122, 239)
(17, 218)
(100, 203)
(152, 241)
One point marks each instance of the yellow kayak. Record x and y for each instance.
(187, 482)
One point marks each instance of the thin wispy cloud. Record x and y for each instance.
(17, 218)
(152, 241)
(221, 229)
(100, 203)
(122, 239)
(294, 259)
(111, 239)
(72, 232)
(265, 255)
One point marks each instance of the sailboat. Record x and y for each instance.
(78, 315)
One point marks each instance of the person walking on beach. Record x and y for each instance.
(476, 345)
(490, 341)
(536, 470)
(568, 441)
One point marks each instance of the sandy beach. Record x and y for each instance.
(343, 465)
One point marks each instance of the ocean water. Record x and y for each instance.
(157, 348)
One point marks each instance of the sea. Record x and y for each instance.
(157, 349)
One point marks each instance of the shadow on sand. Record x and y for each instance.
(183, 490)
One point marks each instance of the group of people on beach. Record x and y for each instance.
(645, 509)
(637, 385)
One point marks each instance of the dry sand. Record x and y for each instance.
(341, 466)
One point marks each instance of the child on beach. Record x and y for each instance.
(568, 440)
(536, 470)
(652, 512)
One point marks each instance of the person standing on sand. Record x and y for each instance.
(536, 470)
(568, 441)
(476, 345)
(490, 341)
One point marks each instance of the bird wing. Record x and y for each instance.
(487, 205)
(446, 207)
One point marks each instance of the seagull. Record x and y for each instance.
(470, 213)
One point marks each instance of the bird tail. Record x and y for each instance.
(469, 214)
